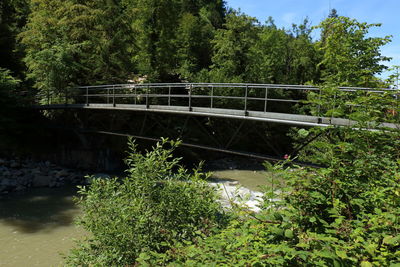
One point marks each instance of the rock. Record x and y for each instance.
(9, 182)
(41, 181)
(6, 173)
(18, 173)
(53, 184)
(233, 183)
(62, 173)
(24, 179)
(101, 175)
(15, 164)
(20, 188)
(36, 171)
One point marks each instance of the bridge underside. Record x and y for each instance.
(283, 118)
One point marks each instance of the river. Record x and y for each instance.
(36, 228)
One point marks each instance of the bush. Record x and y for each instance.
(8, 87)
(9, 103)
(158, 204)
(344, 214)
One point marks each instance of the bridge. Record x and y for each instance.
(256, 102)
(195, 104)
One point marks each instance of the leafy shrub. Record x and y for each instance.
(8, 86)
(344, 214)
(8, 99)
(158, 204)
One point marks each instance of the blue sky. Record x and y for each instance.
(286, 12)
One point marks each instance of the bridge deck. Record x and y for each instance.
(284, 118)
(257, 102)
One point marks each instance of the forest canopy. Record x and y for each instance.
(52, 44)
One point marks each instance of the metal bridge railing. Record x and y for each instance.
(237, 96)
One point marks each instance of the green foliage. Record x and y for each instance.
(10, 103)
(394, 77)
(8, 85)
(13, 16)
(173, 37)
(368, 109)
(350, 58)
(69, 43)
(346, 213)
(231, 48)
(194, 41)
(158, 204)
(282, 57)
(8, 97)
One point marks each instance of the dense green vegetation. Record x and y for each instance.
(344, 214)
(54, 44)
(157, 204)
(8, 99)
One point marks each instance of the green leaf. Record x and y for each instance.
(366, 264)
(303, 133)
(391, 240)
(387, 239)
(370, 248)
(341, 253)
(289, 233)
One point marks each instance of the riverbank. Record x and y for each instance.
(37, 208)
(37, 226)
(18, 175)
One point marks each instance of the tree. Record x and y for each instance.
(13, 16)
(350, 57)
(69, 43)
(10, 103)
(8, 92)
(333, 13)
(194, 45)
(174, 36)
(231, 58)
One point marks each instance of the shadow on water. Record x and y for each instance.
(41, 209)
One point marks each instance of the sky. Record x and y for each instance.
(286, 12)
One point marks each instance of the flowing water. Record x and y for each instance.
(247, 178)
(37, 226)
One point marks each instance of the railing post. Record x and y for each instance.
(147, 97)
(113, 89)
(66, 95)
(87, 96)
(319, 104)
(108, 95)
(135, 95)
(246, 113)
(266, 99)
(169, 96)
(212, 95)
(333, 106)
(190, 97)
(48, 96)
